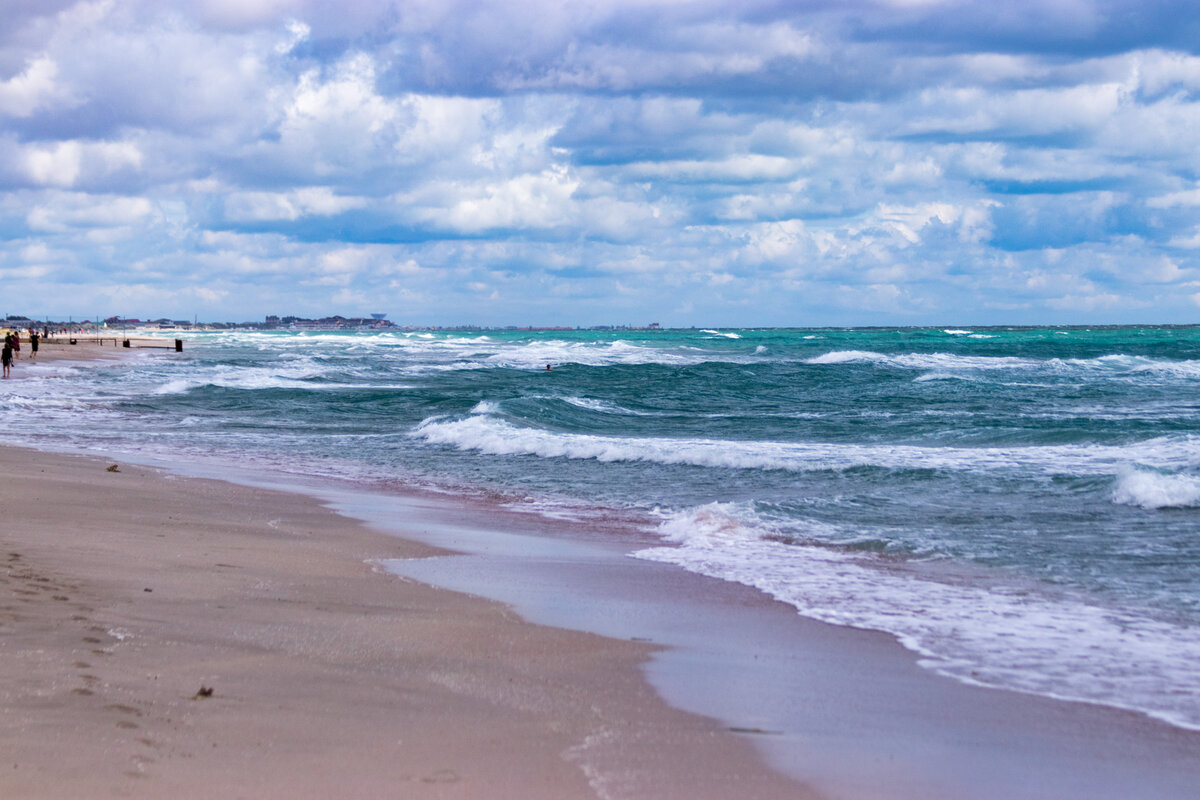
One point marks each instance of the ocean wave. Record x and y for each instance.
(1136, 487)
(483, 433)
(486, 407)
(602, 406)
(1107, 365)
(269, 382)
(939, 376)
(415, 357)
(1014, 637)
(934, 361)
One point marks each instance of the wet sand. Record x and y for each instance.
(126, 595)
(850, 712)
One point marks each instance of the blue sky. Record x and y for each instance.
(809, 162)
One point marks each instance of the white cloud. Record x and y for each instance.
(302, 202)
(55, 165)
(297, 33)
(64, 164)
(1156, 72)
(36, 87)
(743, 167)
(1186, 198)
(541, 200)
(908, 220)
(1025, 112)
(64, 212)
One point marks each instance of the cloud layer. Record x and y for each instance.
(589, 161)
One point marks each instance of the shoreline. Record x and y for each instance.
(130, 591)
(850, 713)
(86, 350)
(845, 711)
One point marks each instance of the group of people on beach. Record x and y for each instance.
(12, 349)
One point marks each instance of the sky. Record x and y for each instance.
(585, 162)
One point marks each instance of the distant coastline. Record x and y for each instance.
(379, 322)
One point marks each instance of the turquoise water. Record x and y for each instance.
(1019, 505)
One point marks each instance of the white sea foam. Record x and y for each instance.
(725, 334)
(1101, 366)
(938, 376)
(487, 434)
(475, 353)
(486, 407)
(602, 406)
(1139, 487)
(1016, 637)
(925, 360)
(956, 332)
(177, 386)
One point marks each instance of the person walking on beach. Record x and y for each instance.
(6, 355)
(33, 344)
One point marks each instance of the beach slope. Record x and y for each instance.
(170, 637)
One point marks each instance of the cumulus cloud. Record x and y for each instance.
(825, 161)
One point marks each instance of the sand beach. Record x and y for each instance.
(128, 594)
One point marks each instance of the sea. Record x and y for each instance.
(1019, 506)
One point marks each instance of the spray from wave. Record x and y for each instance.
(1150, 489)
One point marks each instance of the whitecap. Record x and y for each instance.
(930, 361)
(602, 406)
(1139, 487)
(486, 434)
(178, 386)
(486, 407)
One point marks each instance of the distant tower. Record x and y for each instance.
(379, 317)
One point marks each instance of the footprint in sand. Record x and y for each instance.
(441, 776)
(124, 709)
